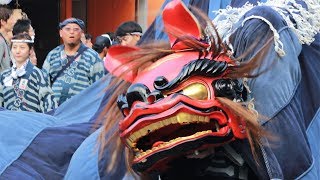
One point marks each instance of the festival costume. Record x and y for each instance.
(153, 111)
(281, 94)
(81, 73)
(26, 89)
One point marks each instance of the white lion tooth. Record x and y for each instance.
(217, 126)
(154, 127)
(173, 120)
(159, 124)
(130, 143)
(183, 117)
(135, 136)
(144, 131)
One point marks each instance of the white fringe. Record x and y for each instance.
(278, 45)
(306, 27)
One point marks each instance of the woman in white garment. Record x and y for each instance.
(23, 87)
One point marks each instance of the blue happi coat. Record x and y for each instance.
(86, 69)
(28, 92)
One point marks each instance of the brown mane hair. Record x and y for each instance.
(152, 52)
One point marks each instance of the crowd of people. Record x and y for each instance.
(67, 70)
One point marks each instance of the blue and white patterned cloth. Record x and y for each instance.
(26, 89)
(82, 72)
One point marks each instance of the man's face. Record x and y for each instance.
(7, 26)
(71, 34)
(130, 39)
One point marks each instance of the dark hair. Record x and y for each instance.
(100, 43)
(88, 36)
(23, 36)
(5, 13)
(127, 28)
(111, 35)
(22, 25)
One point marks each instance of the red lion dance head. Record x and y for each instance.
(182, 100)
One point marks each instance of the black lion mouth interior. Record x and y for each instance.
(167, 132)
(173, 132)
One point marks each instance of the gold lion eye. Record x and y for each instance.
(196, 91)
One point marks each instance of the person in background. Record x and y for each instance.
(23, 87)
(128, 33)
(86, 39)
(102, 44)
(6, 24)
(72, 66)
(24, 26)
(112, 36)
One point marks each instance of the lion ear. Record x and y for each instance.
(118, 63)
(178, 20)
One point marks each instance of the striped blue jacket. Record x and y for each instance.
(30, 92)
(81, 73)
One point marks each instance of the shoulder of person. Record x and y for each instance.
(57, 49)
(5, 73)
(3, 42)
(54, 52)
(37, 73)
(92, 53)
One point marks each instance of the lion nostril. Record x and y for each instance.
(154, 96)
(151, 99)
(125, 111)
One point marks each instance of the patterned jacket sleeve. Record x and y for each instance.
(47, 101)
(97, 70)
(46, 68)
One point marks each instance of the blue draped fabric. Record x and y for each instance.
(310, 103)
(286, 95)
(40, 146)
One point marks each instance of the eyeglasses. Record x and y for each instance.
(68, 29)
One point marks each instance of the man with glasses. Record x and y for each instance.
(129, 33)
(72, 66)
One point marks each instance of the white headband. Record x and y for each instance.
(107, 36)
(22, 41)
(136, 33)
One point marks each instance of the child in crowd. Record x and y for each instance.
(23, 87)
